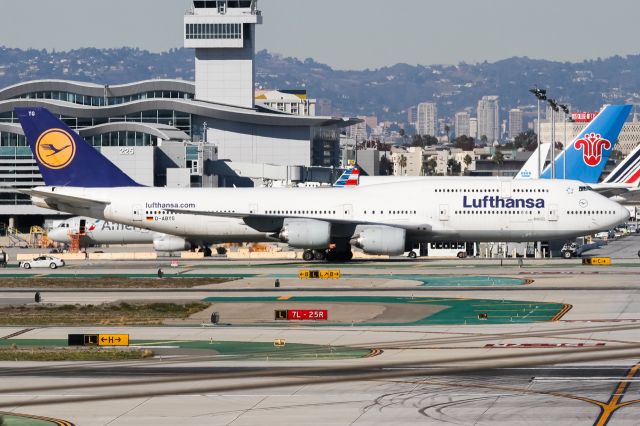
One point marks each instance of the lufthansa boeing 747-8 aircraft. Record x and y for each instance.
(380, 219)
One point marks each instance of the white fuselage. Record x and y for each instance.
(468, 209)
(99, 231)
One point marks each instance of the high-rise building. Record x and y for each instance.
(473, 128)
(412, 115)
(489, 118)
(516, 126)
(223, 35)
(427, 119)
(462, 124)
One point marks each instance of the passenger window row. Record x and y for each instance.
(476, 212)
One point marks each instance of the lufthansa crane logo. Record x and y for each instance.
(55, 149)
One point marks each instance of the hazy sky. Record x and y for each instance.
(349, 34)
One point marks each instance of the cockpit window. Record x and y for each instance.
(585, 188)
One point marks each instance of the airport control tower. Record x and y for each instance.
(223, 35)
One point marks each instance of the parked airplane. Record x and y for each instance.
(581, 163)
(98, 231)
(379, 219)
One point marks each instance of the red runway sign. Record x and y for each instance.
(302, 314)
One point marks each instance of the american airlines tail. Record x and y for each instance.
(628, 171)
(63, 157)
(350, 177)
(587, 155)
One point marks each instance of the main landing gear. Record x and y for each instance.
(331, 255)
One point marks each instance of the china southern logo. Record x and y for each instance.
(592, 145)
(55, 149)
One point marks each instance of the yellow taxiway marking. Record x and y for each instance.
(607, 409)
(284, 297)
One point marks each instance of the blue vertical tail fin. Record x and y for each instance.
(588, 153)
(63, 157)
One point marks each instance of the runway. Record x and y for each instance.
(468, 371)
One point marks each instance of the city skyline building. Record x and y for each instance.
(427, 119)
(473, 127)
(462, 124)
(516, 123)
(488, 113)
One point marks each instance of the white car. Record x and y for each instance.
(42, 262)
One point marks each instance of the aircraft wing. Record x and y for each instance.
(52, 198)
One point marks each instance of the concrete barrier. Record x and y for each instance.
(63, 256)
(124, 256)
(191, 255)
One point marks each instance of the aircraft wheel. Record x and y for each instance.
(319, 254)
(207, 252)
(307, 255)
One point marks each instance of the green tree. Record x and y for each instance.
(402, 162)
(498, 158)
(431, 166)
(453, 167)
(465, 143)
(467, 161)
(386, 166)
(527, 140)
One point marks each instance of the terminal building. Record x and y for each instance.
(209, 132)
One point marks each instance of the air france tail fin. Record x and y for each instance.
(628, 171)
(588, 153)
(530, 169)
(63, 157)
(350, 177)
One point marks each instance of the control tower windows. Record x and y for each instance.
(213, 31)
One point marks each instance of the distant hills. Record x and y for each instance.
(386, 92)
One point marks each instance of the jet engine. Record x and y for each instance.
(380, 239)
(171, 243)
(306, 233)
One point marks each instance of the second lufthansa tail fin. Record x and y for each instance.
(63, 157)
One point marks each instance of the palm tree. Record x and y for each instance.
(402, 163)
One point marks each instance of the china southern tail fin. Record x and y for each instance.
(628, 171)
(63, 157)
(350, 177)
(588, 153)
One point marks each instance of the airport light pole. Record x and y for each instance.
(541, 95)
(565, 113)
(554, 108)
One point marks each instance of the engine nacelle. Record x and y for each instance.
(306, 233)
(380, 239)
(170, 243)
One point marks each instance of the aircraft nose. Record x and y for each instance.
(621, 213)
(59, 235)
